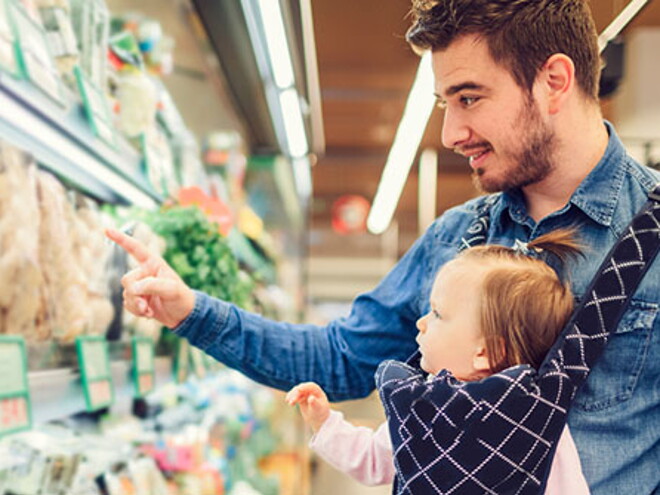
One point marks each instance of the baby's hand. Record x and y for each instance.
(313, 402)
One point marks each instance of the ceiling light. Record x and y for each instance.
(317, 144)
(276, 43)
(419, 106)
(428, 188)
(302, 175)
(294, 127)
(271, 48)
(621, 21)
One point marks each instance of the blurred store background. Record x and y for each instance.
(252, 143)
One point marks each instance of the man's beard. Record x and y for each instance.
(533, 162)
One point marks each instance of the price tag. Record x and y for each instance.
(34, 52)
(159, 162)
(95, 372)
(15, 410)
(182, 361)
(7, 42)
(143, 366)
(96, 108)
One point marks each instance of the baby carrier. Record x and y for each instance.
(499, 435)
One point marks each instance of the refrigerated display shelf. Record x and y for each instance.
(57, 393)
(61, 140)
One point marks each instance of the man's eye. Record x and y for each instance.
(467, 101)
(441, 104)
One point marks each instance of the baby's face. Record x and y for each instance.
(450, 334)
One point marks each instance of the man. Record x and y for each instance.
(518, 83)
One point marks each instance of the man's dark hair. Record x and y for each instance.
(521, 34)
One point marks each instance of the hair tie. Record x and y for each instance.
(522, 248)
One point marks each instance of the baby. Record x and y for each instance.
(491, 308)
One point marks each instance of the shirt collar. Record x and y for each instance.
(599, 191)
(596, 195)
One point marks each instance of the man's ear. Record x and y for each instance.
(558, 79)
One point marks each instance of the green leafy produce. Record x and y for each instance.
(200, 254)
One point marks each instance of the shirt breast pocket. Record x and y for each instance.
(613, 379)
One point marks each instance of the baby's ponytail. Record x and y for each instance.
(561, 243)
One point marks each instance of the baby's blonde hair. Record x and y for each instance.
(524, 304)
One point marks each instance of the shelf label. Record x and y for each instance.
(7, 42)
(143, 366)
(96, 108)
(159, 162)
(95, 372)
(15, 409)
(34, 53)
(182, 361)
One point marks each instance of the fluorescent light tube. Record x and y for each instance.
(294, 126)
(313, 86)
(619, 22)
(419, 106)
(271, 48)
(428, 188)
(302, 174)
(276, 43)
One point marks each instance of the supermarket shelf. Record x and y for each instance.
(58, 393)
(60, 139)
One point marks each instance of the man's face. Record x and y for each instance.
(490, 119)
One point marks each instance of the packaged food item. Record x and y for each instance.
(94, 255)
(65, 283)
(20, 274)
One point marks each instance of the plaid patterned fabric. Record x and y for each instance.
(498, 435)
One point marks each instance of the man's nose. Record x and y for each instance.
(454, 130)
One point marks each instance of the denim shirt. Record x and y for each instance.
(615, 419)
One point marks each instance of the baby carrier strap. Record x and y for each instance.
(499, 435)
(477, 232)
(605, 301)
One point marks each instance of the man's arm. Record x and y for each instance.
(341, 357)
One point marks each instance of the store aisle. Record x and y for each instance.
(328, 481)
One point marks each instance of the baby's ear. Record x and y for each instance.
(480, 361)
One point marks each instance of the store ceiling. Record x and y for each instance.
(366, 70)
